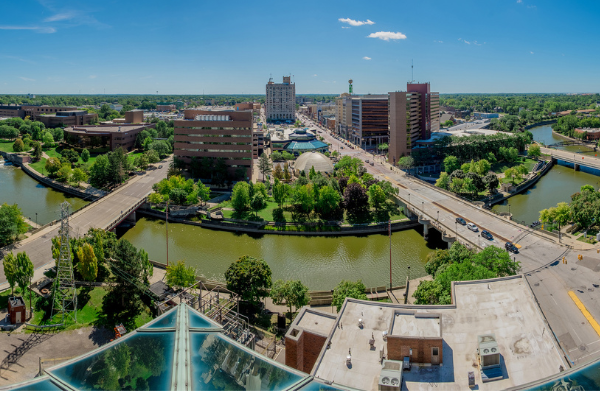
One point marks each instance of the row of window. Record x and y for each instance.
(217, 143)
(209, 136)
(217, 150)
(224, 158)
(224, 128)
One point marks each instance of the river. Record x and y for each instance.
(16, 187)
(543, 134)
(556, 186)
(320, 262)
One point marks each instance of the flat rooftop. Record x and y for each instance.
(105, 128)
(419, 325)
(504, 307)
(316, 322)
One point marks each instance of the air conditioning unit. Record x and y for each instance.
(390, 378)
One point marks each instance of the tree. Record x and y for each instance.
(37, 151)
(250, 278)
(477, 181)
(155, 198)
(496, 260)
(142, 162)
(328, 201)
(48, 140)
(258, 203)
(482, 167)
(58, 134)
(85, 155)
(534, 151)
(10, 270)
(451, 164)
(304, 198)
(406, 162)
(264, 165)
(344, 289)
(491, 182)
(377, 197)
(88, 263)
(203, 192)
(291, 293)
(12, 223)
(64, 173)
(430, 292)
(436, 261)
(588, 188)
(18, 146)
(70, 156)
(180, 275)
(280, 192)
(286, 172)
(161, 147)
(152, 156)
(79, 175)
(511, 173)
(240, 197)
(443, 181)
(8, 132)
(278, 172)
(463, 271)
(356, 199)
(24, 270)
(99, 172)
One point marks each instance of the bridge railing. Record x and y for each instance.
(125, 214)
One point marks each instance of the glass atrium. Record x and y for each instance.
(180, 350)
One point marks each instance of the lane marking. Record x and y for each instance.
(585, 312)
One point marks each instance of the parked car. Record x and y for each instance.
(472, 227)
(487, 235)
(511, 248)
(461, 221)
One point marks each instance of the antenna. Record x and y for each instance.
(412, 71)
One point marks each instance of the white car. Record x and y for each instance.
(472, 227)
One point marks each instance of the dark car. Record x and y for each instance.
(487, 235)
(461, 221)
(511, 247)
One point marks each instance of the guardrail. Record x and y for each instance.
(125, 214)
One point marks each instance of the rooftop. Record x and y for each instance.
(504, 307)
(416, 324)
(110, 128)
(315, 321)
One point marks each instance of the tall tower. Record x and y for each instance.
(350, 86)
(64, 293)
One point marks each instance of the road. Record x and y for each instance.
(97, 215)
(540, 256)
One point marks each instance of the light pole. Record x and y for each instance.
(422, 206)
(456, 229)
(36, 218)
(167, 225)
(438, 217)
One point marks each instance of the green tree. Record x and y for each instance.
(24, 270)
(491, 182)
(99, 172)
(85, 155)
(258, 203)
(37, 151)
(180, 275)
(328, 201)
(406, 162)
(588, 188)
(155, 198)
(431, 292)
(18, 146)
(88, 263)
(344, 289)
(69, 156)
(511, 173)
(496, 260)
(443, 181)
(286, 173)
(64, 173)
(240, 197)
(52, 165)
(48, 140)
(12, 224)
(377, 197)
(291, 293)
(451, 164)
(250, 278)
(10, 270)
(534, 151)
(264, 165)
(304, 198)
(79, 175)
(152, 156)
(280, 192)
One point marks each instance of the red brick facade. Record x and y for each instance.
(302, 353)
(399, 347)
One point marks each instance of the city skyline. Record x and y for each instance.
(508, 46)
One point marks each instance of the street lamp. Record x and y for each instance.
(456, 229)
(422, 206)
(36, 218)
(438, 217)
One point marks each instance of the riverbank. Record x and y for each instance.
(574, 140)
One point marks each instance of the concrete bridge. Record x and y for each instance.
(106, 213)
(578, 160)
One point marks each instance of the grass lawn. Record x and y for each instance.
(517, 181)
(499, 168)
(6, 146)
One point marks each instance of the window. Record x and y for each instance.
(435, 351)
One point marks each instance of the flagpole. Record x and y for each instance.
(390, 235)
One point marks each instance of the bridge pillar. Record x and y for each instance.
(448, 239)
(131, 218)
(576, 167)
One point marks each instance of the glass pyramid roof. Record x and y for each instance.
(180, 350)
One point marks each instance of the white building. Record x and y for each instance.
(280, 102)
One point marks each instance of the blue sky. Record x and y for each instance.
(187, 47)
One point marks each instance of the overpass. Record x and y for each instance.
(577, 160)
(540, 254)
(105, 213)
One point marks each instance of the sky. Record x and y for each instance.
(233, 47)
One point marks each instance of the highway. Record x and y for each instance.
(99, 214)
(540, 255)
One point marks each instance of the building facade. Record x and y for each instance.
(217, 134)
(110, 135)
(280, 102)
(66, 118)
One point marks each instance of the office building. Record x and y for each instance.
(217, 134)
(112, 136)
(280, 102)
(66, 118)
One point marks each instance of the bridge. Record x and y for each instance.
(540, 254)
(577, 160)
(106, 213)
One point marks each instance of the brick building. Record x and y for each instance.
(280, 101)
(17, 310)
(112, 136)
(66, 118)
(217, 134)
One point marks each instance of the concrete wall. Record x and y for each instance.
(399, 347)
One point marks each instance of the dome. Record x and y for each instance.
(314, 159)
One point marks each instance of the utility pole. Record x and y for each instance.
(390, 236)
(167, 220)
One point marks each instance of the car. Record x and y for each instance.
(472, 227)
(487, 235)
(461, 221)
(511, 248)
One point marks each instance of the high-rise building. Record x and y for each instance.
(430, 108)
(280, 102)
(217, 134)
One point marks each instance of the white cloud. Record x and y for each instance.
(533, 7)
(366, 58)
(531, 52)
(93, 76)
(476, 43)
(27, 79)
(519, 1)
(61, 16)
(387, 36)
(38, 29)
(353, 22)
(345, 27)
(438, 41)
(314, 75)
